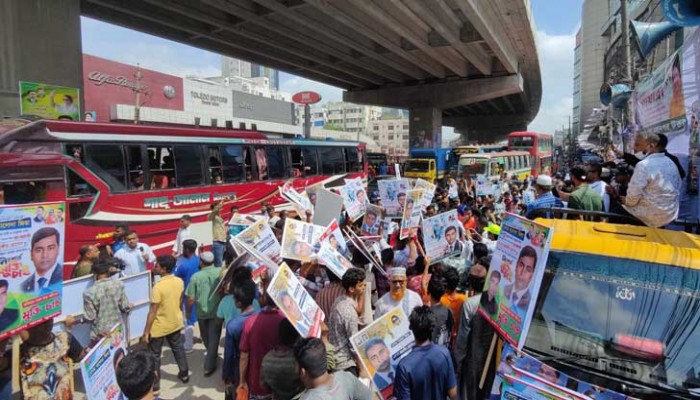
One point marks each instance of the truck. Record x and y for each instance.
(432, 165)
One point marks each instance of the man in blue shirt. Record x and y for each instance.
(243, 292)
(544, 197)
(186, 266)
(427, 372)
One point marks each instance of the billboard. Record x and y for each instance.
(49, 101)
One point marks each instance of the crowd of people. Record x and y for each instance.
(264, 357)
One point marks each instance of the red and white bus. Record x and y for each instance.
(149, 176)
(539, 145)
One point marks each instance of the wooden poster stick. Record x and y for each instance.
(485, 372)
(15, 363)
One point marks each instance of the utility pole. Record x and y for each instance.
(628, 115)
(137, 89)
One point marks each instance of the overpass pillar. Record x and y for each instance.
(425, 128)
(39, 42)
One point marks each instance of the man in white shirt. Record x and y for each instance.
(183, 234)
(136, 256)
(593, 177)
(653, 192)
(398, 295)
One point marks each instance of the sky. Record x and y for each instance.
(555, 35)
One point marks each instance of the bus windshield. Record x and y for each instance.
(473, 165)
(523, 142)
(639, 318)
(417, 166)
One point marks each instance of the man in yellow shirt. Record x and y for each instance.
(165, 320)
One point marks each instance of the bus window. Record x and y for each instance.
(107, 162)
(494, 169)
(233, 160)
(135, 167)
(188, 165)
(276, 162)
(23, 192)
(352, 163)
(332, 160)
(216, 172)
(76, 151)
(297, 162)
(78, 187)
(310, 161)
(261, 163)
(162, 166)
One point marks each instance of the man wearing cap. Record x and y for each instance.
(653, 192)
(104, 302)
(398, 295)
(594, 174)
(583, 197)
(201, 291)
(544, 199)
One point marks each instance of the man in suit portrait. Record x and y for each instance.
(44, 253)
(518, 293)
(455, 246)
(379, 356)
(8, 316)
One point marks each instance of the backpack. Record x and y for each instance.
(46, 373)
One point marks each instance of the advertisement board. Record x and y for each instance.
(49, 101)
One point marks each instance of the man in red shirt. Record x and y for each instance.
(260, 335)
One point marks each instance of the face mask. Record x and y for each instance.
(640, 155)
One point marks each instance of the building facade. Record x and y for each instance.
(576, 114)
(233, 68)
(390, 137)
(351, 117)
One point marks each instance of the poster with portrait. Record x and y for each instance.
(49, 101)
(411, 212)
(301, 202)
(300, 240)
(333, 249)
(354, 198)
(521, 376)
(98, 367)
(372, 220)
(239, 222)
(312, 192)
(392, 192)
(31, 264)
(441, 236)
(295, 302)
(514, 277)
(428, 192)
(484, 186)
(381, 345)
(259, 235)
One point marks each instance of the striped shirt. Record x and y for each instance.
(546, 201)
(327, 296)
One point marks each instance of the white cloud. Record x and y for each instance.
(556, 54)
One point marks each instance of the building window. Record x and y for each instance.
(375, 128)
(390, 127)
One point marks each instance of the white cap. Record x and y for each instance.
(544, 181)
(397, 271)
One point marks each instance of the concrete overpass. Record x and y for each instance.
(471, 64)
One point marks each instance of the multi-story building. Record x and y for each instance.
(251, 78)
(351, 117)
(273, 75)
(391, 137)
(575, 121)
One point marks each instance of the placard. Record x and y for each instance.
(428, 192)
(332, 250)
(393, 195)
(303, 203)
(411, 213)
(354, 198)
(514, 277)
(328, 207)
(98, 367)
(300, 240)
(31, 264)
(295, 302)
(441, 236)
(484, 186)
(259, 235)
(372, 220)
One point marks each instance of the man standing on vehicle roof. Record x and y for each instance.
(218, 227)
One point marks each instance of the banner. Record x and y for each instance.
(441, 236)
(428, 193)
(520, 376)
(300, 240)
(354, 198)
(302, 203)
(372, 220)
(381, 345)
(484, 186)
(260, 236)
(411, 213)
(98, 367)
(514, 277)
(393, 195)
(295, 302)
(31, 264)
(49, 101)
(332, 250)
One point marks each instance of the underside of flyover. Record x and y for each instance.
(471, 64)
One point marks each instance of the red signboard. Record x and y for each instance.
(108, 83)
(306, 97)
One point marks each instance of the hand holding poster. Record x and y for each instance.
(514, 277)
(484, 187)
(441, 236)
(522, 376)
(260, 236)
(411, 213)
(295, 302)
(393, 196)
(300, 240)
(31, 265)
(333, 246)
(428, 192)
(98, 367)
(354, 198)
(381, 345)
(372, 221)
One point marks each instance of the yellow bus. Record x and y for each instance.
(619, 306)
(514, 163)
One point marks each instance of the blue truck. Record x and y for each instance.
(432, 165)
